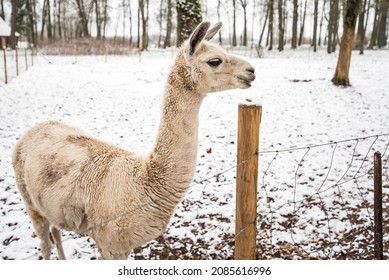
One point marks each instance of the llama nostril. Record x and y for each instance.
(250, 69)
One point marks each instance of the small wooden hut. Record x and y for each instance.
(5, 31)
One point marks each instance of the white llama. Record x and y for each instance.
(71, 181)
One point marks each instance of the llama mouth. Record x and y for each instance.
(246, 81)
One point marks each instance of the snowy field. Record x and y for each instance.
(313, 203)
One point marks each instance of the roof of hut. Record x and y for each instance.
(5, 30)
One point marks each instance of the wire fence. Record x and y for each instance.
(320, 207)
(15, 62)
(339, 194)
(321, 210)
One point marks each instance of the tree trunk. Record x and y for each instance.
(271, 18)
(83, 17)
(169, 25)
(244, 6)
(359, 43)
(382, 26)
(59, 24)
(43, 19)
(49, 25)
(98, 20)
(263, 27)
(124, 7)
(302, 24)
(294, 24)
(65, 28)
(218, 19)
(374, 33)
(234, 43)
(280, 27)
(138, 29)
(188, 17)
(144, 4)
(160, 23)
(367, 12)
(321, 21)
(105, 17)
(315, 18)
(14, 14)
(2, 14)
(130, 16)
(331, 25)
(31, 26)
(341, 77)
(336, 26)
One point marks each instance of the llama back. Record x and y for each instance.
(54, 166)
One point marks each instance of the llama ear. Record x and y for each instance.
(211, 32)
(195, 39)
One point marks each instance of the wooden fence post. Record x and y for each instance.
(25, 58)
(5, 65)
(32, 56)
(378, 232)
(17, 60)
(249, 118)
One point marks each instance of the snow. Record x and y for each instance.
(312, 202)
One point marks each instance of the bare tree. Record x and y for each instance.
(360, 41)
(374, 33)
(2, 14)
(302, 24)
(263, 26)
(14, 14)
(169, 25)
(160, 22)
(341, 77)
(315, 18)
(382, 35)
(57, 18)
(105, 16)
(98, 17)
(43, 18)
(49, 27)
(144, 13)
(280, 26)
(138, 29)
(234, 43)
(83, 17)
(269, 41)
(321, 21)
(218, 18)
(244, 3)
(124, 8)
(130, 14)
(294, 24)
(332, 25)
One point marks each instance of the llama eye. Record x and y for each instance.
(215, 62)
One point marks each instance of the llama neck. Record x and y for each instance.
(171, 164)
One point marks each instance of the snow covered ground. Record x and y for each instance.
(312, 202)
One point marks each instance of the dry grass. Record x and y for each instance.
(88, 46)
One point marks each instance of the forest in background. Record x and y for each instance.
(270, 24)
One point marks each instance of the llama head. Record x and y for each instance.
(212, 68)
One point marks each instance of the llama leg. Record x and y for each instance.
(42, 230)
(56, 233)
